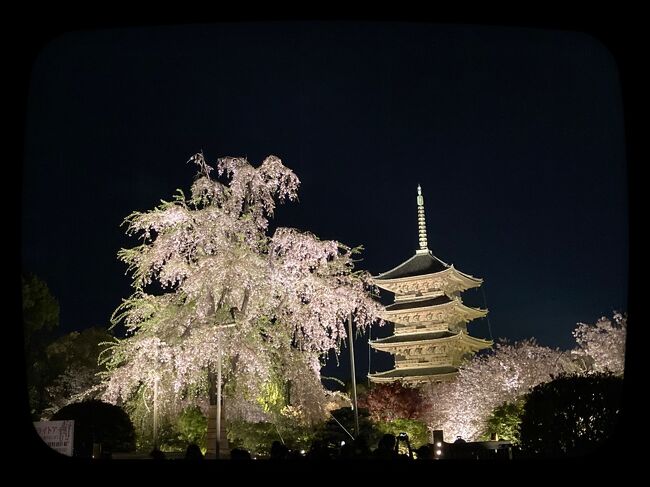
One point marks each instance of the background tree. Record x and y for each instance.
(572, 415)
(73, 362)
(603, 344)
(475, 404)
(462, 407)
(388, 402)
(397, 408)
(40, 320)
(265, 304)
(40, 310)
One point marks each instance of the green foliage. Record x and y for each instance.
(98, 422)
(174, 434)
(176, 428)
(504, 422)
(284, 425)
(296, 436)
(192, 426)
(142, 418)
(287, 423)
(273, 398)
(416, 430)
(257, 438)
(572, 415)
(362, 387)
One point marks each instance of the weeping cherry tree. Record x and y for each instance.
(216, 297)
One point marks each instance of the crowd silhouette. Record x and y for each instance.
(388, 448)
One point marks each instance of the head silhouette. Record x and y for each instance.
(193, 452)
(156, 454)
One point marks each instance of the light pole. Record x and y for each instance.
(354, 377)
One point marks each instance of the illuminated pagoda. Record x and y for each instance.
(430, 338)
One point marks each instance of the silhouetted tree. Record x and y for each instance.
(40, 319)
(571, 415)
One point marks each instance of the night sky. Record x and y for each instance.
(515, 135)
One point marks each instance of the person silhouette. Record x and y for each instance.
(239, 454)
(193, 452)
(278, 451)
(424, 452)
(156, 454)
(386, 448)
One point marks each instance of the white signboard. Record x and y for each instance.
(58, 435)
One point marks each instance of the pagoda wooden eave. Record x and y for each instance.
(434, 313)
(449, 277)
(410, 375)
(468, 341)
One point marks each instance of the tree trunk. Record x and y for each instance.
(247, 294)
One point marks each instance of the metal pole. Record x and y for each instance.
(342, 427)
(354, 377)
(218, 401)
(369, 347)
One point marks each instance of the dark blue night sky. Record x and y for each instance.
(516, 136)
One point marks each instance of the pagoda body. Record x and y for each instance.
(430, 338)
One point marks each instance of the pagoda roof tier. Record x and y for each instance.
(420, 303)
(411, 337)
(416, 374)
(396, 343)
(451, 311)
(448, 279)
(423, 262)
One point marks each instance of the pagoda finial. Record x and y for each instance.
(422, 226)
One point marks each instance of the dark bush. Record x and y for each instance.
(98, 422)
(572, 416)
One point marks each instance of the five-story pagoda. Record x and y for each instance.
(430, 339)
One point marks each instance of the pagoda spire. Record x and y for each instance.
(422, 225)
